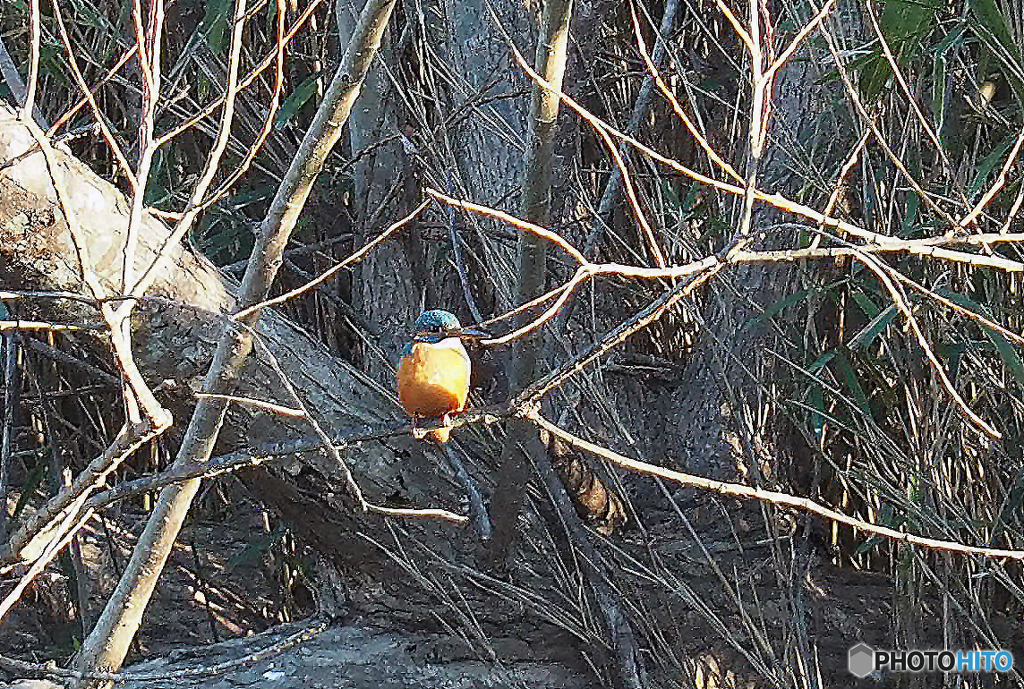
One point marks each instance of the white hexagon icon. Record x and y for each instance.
(861, 660)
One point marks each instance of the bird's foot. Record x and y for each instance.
(417, 432)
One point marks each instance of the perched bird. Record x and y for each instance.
(434, 372)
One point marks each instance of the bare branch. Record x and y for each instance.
(774, 497)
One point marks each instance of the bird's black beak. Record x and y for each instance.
(470, 333)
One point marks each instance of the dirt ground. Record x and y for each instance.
(712, 605)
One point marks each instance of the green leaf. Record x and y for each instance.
(867, 334)
(214, 25)
(865, 304)
(270, 24)
(256, 194)
(253, 553)
(910, 214)
(28, 489)
(817, 402)
(820, 362)
(953, 352)
(988, 164)
(904, 24)
(672, 202)
(887, 517)
(294, 102)
(849, 377)
(782, 304)
(940, 92)
(692, 197)
(996, 36)
(203, 86)
(1007, 352)
(952, 38)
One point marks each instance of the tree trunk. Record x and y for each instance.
(177, 325)
(175, 330)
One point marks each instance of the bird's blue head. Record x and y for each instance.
(436, 325)
(432, 326)
(437, 321)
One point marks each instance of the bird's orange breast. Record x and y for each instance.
(433, 380)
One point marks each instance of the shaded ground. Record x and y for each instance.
(221, 582)
(358, 655)
(712, 605)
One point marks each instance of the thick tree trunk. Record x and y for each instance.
(177, 325)
(388, 285)
(714, 421)
(463, 113)
(360, 655)
(175, 334)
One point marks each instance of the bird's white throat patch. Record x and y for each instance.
(452, 343)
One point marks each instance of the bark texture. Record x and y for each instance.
(361, 655)
(712, 420)
(177, 325)
(175, 333)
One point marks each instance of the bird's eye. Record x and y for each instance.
(431, 332)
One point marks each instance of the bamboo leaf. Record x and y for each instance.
(214, 25)
(1007, 352)
(991, 27)
(867, 334)
(849, 378)
(905, 24)
(988, 165)
(294, 102)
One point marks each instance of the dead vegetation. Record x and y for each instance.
(784, 243)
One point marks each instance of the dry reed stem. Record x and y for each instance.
(774, 497)
(875, 267)
(353, 258)
(676, 106)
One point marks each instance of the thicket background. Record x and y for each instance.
(824, 199)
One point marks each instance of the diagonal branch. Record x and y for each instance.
(774, 497)
(107, 645)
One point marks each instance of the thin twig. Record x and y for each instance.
(353, 258)
(774, 497)
(88, 97)
(875, 267)
(258, 456)
(477, 508)
(40, 528)
(553, 237)
(49, 670)
(9, 348)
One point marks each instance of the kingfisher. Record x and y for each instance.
(434, 372)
